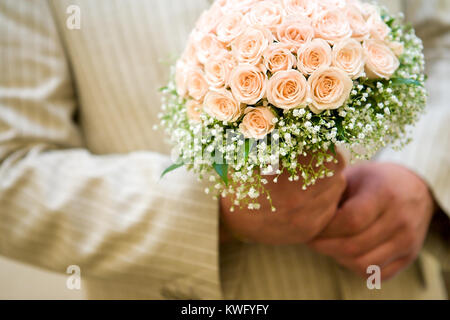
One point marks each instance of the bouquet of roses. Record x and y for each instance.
(264, 82)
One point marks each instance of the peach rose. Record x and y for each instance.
(360, 30)
(208, 45)
(294, 33)
(220, 4)
(196, 83)
(194, 110)
(278, 57)
(218, 70)
(257, 122)
(230, 27)
(396, 47)
(250, 45)
(367, 9)
(267, 14)
(377, 28)
(190, 52)
(287, 89)
(240, 5)
(222, 106)
(313, 55)
(332, 25)
(303, 8)
(209, 19)
(329, 88)
(180, 78)
(248, 83)
(381, 62)
(330, 4)
(349, 56)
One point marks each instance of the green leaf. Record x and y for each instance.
(340, 130)
(247, 147)
(333, 149)
(397, 81)
(222, 171)
(171, 168)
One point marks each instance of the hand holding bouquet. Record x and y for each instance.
(262, 84)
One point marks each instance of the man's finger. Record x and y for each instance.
(392, 269)
(380, 231)
(354, 216)
(389, 251)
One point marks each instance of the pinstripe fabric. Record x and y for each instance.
(84, 194)
(80, 166)
(429, 154)
(429, 159)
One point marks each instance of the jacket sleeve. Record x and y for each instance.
(60, 205)
(428, 154)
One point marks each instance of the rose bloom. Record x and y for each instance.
(194, 110)
(287, 89)
(222, 105)
(330, 4)
(396, 47)
(332, 25)
(313, 55)
(209, 19)
(278, 57)
(230, 27)
(267, 14)
(220, 4)
(196, 83)
(248, 83)
(240, 5)
(294, 33)
(218, 70)
(250, 45)
(329, 88)
(208, 45)
(377, 28)
(381, 62)
(257, 122)
(300, 7)
(360, 30)
(349, 56)
(367, 9)
(190, 53)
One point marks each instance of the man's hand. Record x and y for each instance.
(383, 220)
(300, 215)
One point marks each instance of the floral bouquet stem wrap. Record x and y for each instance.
(262, 83)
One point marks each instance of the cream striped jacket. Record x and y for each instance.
(80, 164)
